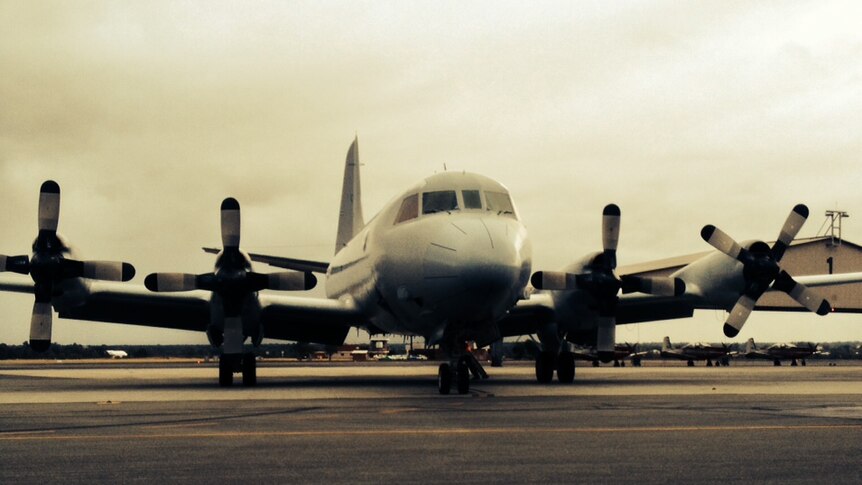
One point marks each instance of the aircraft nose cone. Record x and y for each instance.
(477, 273)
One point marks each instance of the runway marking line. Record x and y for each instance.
(29, 435)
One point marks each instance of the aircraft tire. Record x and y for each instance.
(225, 371)
(566, 368)
(249, 370)
(545, 367)
(802, 362)
(444, 378)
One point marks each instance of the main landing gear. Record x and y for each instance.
(563, 363)
(465, 368)
(229, 364)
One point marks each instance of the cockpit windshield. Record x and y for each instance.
(500, 203)
(440, 201)
(451, 200)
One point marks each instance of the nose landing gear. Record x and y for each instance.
(463, 369)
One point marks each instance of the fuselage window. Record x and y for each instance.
(409, 209)
(500, 203)
(472, 199)
(443, 200)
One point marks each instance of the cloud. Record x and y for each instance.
(148, 114)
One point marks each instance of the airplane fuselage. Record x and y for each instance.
(448, 255)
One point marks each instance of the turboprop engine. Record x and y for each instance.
(52, 268)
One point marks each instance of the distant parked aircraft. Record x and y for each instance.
(784, 351)
(697, 351)
(621, 352)
(117, 354)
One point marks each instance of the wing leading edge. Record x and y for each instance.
(317, 320)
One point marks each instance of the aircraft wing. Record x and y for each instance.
(529, 315)
(135, 305)
(304, 319)
(829, 279)
(17, 285)
(287, 263)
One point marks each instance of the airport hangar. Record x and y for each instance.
(817, 255)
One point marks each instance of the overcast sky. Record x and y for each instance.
(149, 113)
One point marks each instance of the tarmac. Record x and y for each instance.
(123, 421)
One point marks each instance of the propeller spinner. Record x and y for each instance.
(762, 270)
(49, 267)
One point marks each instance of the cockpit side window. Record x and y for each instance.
(409, 209)
(500, 203)
(472, 199)
(443, 200)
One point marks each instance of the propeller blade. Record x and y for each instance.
(791, 228)
(802, 294)
(49, 206)
(289, 281)
(97, 270)
(230, 223)
(738, 315)
(15, 264)
(721, 241)
(656, 285)
(40, 325)
(108, 270)
(554, 280)
(167, 282)
(610, 234)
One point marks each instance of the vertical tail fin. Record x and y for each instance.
(749, 346)
(665, 345)
(350, 219)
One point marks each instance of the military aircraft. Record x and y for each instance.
(783, 351)
(448, 259)
(621, 352)
(117, 354)
(697, 351)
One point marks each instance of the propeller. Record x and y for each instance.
(602, 283)
(49, 267)
(233, 281)
(762, 270)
